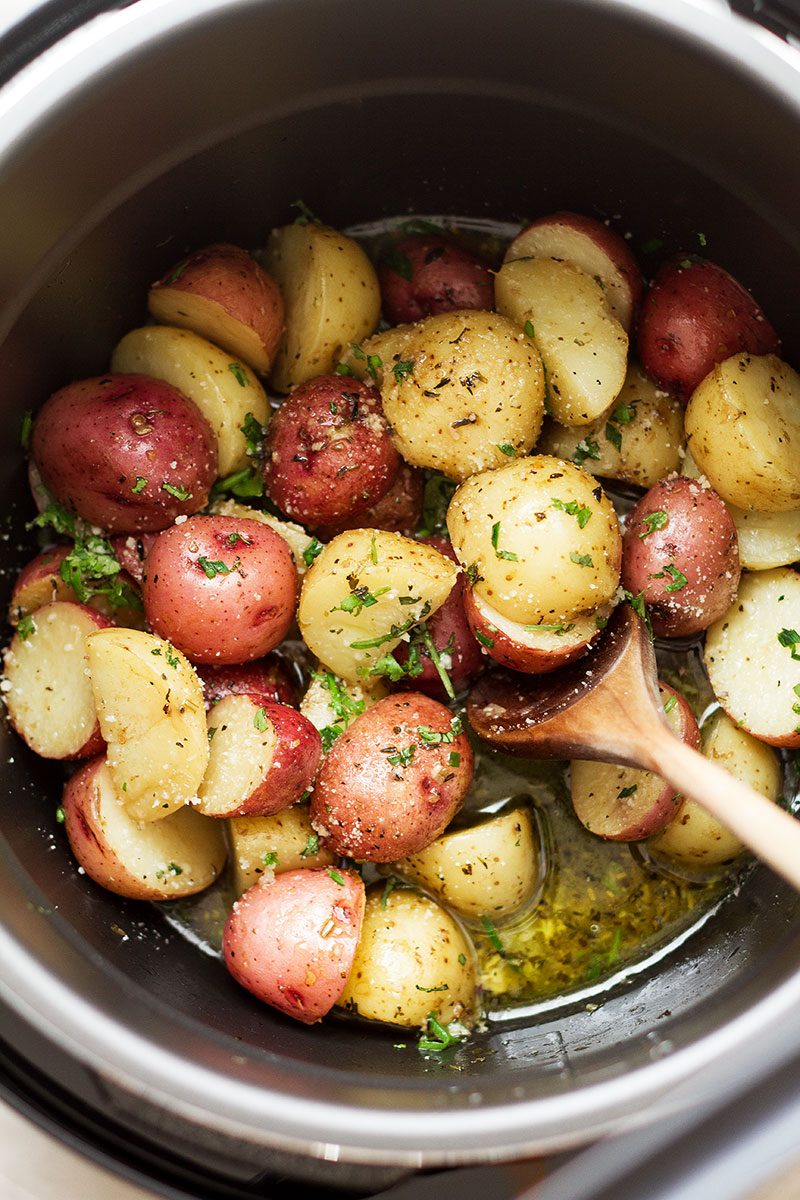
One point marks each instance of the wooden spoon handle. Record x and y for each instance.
(769, 831)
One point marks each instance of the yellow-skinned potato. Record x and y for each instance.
(743, 431)
(583, 346)
(295, 536)
(639, 441)
(223, 389)
(693, 837)
(489, 869)
(413, 959)
(331, 295)
(284, 841)
(539, 537)
(402, 581)
(471, 382)
(152, 716)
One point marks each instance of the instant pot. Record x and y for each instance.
(130, 136)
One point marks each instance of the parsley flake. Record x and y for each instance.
(506, 554)
(402, 369)
(311, 847)
(237, 370)
(270, 859)
(580, 512)
(180, 492)
(139, 486)
(581, 560)
(653, 521)
(337, 877)
(260, 720)
(312, 550)
(26, 626)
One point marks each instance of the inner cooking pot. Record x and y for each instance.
(178, 123)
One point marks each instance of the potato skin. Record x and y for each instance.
(398, 511)
(233, 616)
(93, 440)
(370, 806)
(695, 315)
(427, 274)
(328, 454)
(291, 941)
(697, 543)
(40, 582)
(269, 677)
(526, 648)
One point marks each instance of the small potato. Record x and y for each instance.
(223, 294)
(220, 589)
(365, 591)
(594, 248)
(695, 315)
(743, 430)
(266, 846)
(225, 392)
(693, 837)
(303, 546)
(270, 678)
(46, 579)
(639, 441)
(157, 860)
(413, 961)
(125, 452)
(625, 804)
(752, 656)
(539, 538)
(263, 757)
(393, 781)
(536, 648)
(328, 455)
(46, 686)
(583, 346)
(150, 705)
(680, 552)
(331, 295)
(428, 273)
(468, 393)
(292, 941)
(398, 511)
(492, 868)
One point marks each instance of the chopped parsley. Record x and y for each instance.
(26, 626)
(304, 214)
(211, 569)
(402, 369)
(454, 759)
(388, 666)
(244, 484)
(171, 869)
(507, 449)
(625, 792)
(624, 413)
(580, 512)
(60, 815)
(492, 934)
(270, 859)
(790, 638)
(336, 876)
(431, 737)
(613, 435)
(343, 369)
(260, 720)
(360, 598)
(640, 608)
(391, 883)
(436, 1037)
(484, 639)
(395, 632)
(25, 430)
(311, 847)
(176, 272)
(528, 329)
(506, 554)
(400, 758)
(653, 521)
(312, 550)
(581, 560)
(437, 496)
(91, 567)
(233, 538)
(237, 370)
(252, 429)
(139, 486)
(180, 492)
(400, 263)
(679, 580)
(586, 448)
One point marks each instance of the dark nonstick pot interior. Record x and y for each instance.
(205, 133)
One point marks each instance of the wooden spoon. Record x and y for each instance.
(607, 707)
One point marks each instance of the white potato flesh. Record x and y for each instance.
(285, 841)
(766, 540)
(743, 431)
(693, 837)
(541, 539)
(152, 716)
(752, 658)
(638, 441)
(583, 346)
(407, 580)
(490, 869)
(294, 535)
(329, 700)
(47, 689)
(240, 756)
(413, 959)
(224, 390)
(152, 860)
(474, 384)
(331, 295)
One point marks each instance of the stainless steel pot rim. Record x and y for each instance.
(336, 1131)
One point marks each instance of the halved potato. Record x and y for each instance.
(284, 841)
(583, 346)
(492, 868)
(536, 648)
(225, 391)
(365, 591)
(752, 656)
(153, 860)
(152, 716)
(331, 296)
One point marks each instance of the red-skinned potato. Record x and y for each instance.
(694, 316)
(46, 688)
(624, 804)
(452, 638)
(328, 454)
(223, 294)
(153, 860)
(680, 550)
(40, 582)
(221, 589)
(125, 452)
(428, 273)
(398, 511)
(263, 757)
(590, 245)
(269, 678)
(393, 781)
(130, 552)
(292, 941)
(531, 649)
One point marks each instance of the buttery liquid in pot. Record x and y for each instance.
(604, 912)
